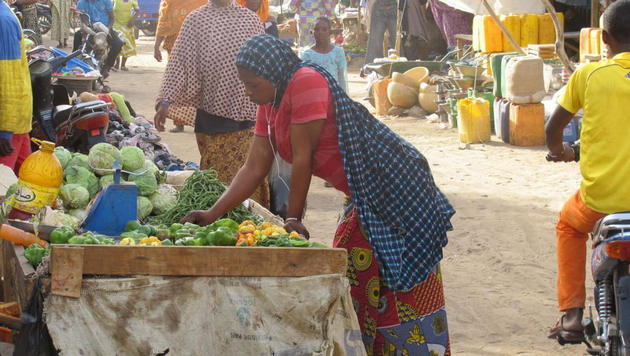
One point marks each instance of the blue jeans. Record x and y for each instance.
(378, 26)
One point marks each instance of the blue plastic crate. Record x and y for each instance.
(571, 133)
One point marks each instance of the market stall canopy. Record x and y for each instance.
(500, 7)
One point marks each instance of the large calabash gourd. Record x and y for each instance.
(428, 97)
(401, 95)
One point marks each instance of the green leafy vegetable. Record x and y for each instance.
(145, 180)
(102, 157)
(63, 155)
(144, 207)
(74, 196)
(132, 158)
(84, 178)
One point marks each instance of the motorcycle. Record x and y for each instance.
(608, 334)
(76, 127)
(94, 47)
(44, 18)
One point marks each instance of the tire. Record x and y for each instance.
(44, 24)
(148, 31)
(31, 35)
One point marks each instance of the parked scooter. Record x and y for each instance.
(608, 334)
(76, 127)
(44, 18)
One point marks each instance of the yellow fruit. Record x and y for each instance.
(294, 234)
(127, 242)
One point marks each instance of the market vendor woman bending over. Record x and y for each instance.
(396, 226)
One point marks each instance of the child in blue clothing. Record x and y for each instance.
(326, 54)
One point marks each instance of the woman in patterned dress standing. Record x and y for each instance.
(201, 74)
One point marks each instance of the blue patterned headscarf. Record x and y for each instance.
(403, 212)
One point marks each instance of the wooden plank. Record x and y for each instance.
(595, 6)
(67, 271)
(17, 285)
(207, 261)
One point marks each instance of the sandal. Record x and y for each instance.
(570, 336)
(124, 69)
(176, 129)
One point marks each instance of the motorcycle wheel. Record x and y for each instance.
(44, 24)
(30, 34)
(148, 31)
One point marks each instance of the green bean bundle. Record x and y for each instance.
(201, 191)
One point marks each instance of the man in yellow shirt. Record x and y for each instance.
(602, 90)
(16, 98)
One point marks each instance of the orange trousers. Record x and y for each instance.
(575, 222)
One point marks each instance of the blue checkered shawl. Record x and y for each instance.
(403, 212)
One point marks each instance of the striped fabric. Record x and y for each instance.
(403, 212)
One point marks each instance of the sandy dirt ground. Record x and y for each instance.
(499, 266)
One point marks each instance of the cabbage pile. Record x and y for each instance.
(74, 196)
(145, 180)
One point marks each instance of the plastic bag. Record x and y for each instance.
(279, 183)
(34, 337)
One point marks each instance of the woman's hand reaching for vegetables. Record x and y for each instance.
(297, 226)
(200, 217)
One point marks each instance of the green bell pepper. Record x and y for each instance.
(182, 233)
(167, 243)
(146, 229)
(163, 234)
(77, 240)
(185, 241)
(132, 225)
(221, 237)
(174, 228)
(318, 245)
(61, 235)
(227, 223)
(35, 253)
(191, 226)
(299, 242)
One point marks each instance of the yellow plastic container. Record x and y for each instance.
(473, 120)
(587, 43)
(490, 36)
(595, 41)
(39, 180)
(527, 125)
(546, 29)
(476, 42)
(513, 25)
(529, 29)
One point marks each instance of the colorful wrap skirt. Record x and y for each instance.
(402, 323)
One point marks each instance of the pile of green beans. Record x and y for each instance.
(201, 191)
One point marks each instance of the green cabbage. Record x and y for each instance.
(144, 207)
(78, 160)
(132, 158)
(84, 178)
(63, 155)
(79, 214)
(107, 180)
(145, 180)
(163, 199)
(102, 157)
(74, 196)
(151, 167)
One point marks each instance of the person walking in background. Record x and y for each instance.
(29, 16)
(125, 13)
(261, 8)
(16, 98)
(201, 73)
(172, 16)
(306, 11)
(451, 22)
(383, 18)
(60, 26)
(330, 57)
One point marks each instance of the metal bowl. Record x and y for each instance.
(470, 71)
(44, 230)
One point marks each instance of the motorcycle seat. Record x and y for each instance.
(612, 224)
(61, 113)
